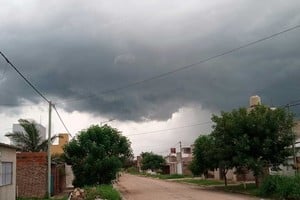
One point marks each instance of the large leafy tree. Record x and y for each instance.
(255, 139)
(29, 140)
(204, 155)
(97, 154)
(152, 161)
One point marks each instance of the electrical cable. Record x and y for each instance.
(36, 90)
(180, 127)
(190, 65)
(61, 120)
(26, 80)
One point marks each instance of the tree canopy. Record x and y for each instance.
(253, 139)
(29, 140)
(260, 138)
(152, 161)
(203, 155)
(97, 154)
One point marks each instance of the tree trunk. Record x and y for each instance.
(224, 172)
(257, 181)
(225, 180)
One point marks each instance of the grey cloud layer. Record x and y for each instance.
(75, 49)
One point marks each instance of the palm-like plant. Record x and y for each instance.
(30, 140)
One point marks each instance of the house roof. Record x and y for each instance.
(8, 146)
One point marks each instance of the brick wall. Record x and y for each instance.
(32, 174)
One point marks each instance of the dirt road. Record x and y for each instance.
(141, 188)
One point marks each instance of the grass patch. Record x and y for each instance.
(164, 176)
(203, 182)
(103, 191)
(250, 189)
(170, 176)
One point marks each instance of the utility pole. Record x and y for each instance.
(180, 153)
(49, 152)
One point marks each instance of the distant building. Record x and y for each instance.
(63, 139)
(253, 102)
(40, 128)
(178, 163)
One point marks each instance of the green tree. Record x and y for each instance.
(152, 161)
(204, 155)
(29, 140)
(255, 139)
(97, 154)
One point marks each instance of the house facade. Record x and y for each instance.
(178, 163)
(58, 149)
(7, 172)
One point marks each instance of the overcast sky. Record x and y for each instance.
(78, 52)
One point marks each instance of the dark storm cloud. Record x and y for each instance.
(76, 50)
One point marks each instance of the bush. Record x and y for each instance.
(282, 187)
(102, 191)
(171, 176)
(133, 170)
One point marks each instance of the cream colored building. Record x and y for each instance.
(63, 139)
(7, 172)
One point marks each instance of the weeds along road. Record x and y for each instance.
(141, 188)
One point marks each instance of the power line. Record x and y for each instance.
(15, 104)
(180, 127)
(61, 120)
(26, 80)
(190, 65)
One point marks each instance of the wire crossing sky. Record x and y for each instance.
(150, 65)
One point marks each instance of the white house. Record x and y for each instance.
(7, 172)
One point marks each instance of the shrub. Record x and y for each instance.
(103, 191)
(283, 187)
(132, 170)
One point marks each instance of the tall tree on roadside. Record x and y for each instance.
(204, 155)
(29, 140)
(255, 139)
(152, 161)
(97, 154)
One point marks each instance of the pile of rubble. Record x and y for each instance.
(80, 194)
(77, 194)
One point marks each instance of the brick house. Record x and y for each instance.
(32, 175)
(7, 172)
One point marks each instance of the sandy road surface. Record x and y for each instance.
(142, 188)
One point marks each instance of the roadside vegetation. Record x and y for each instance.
(245, 140)
(97, 155)
(281, 187)
(166, 176)
(201, 182)
(248, 189)
(152, 161)
(102, 191)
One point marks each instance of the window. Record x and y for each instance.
(6, 173)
